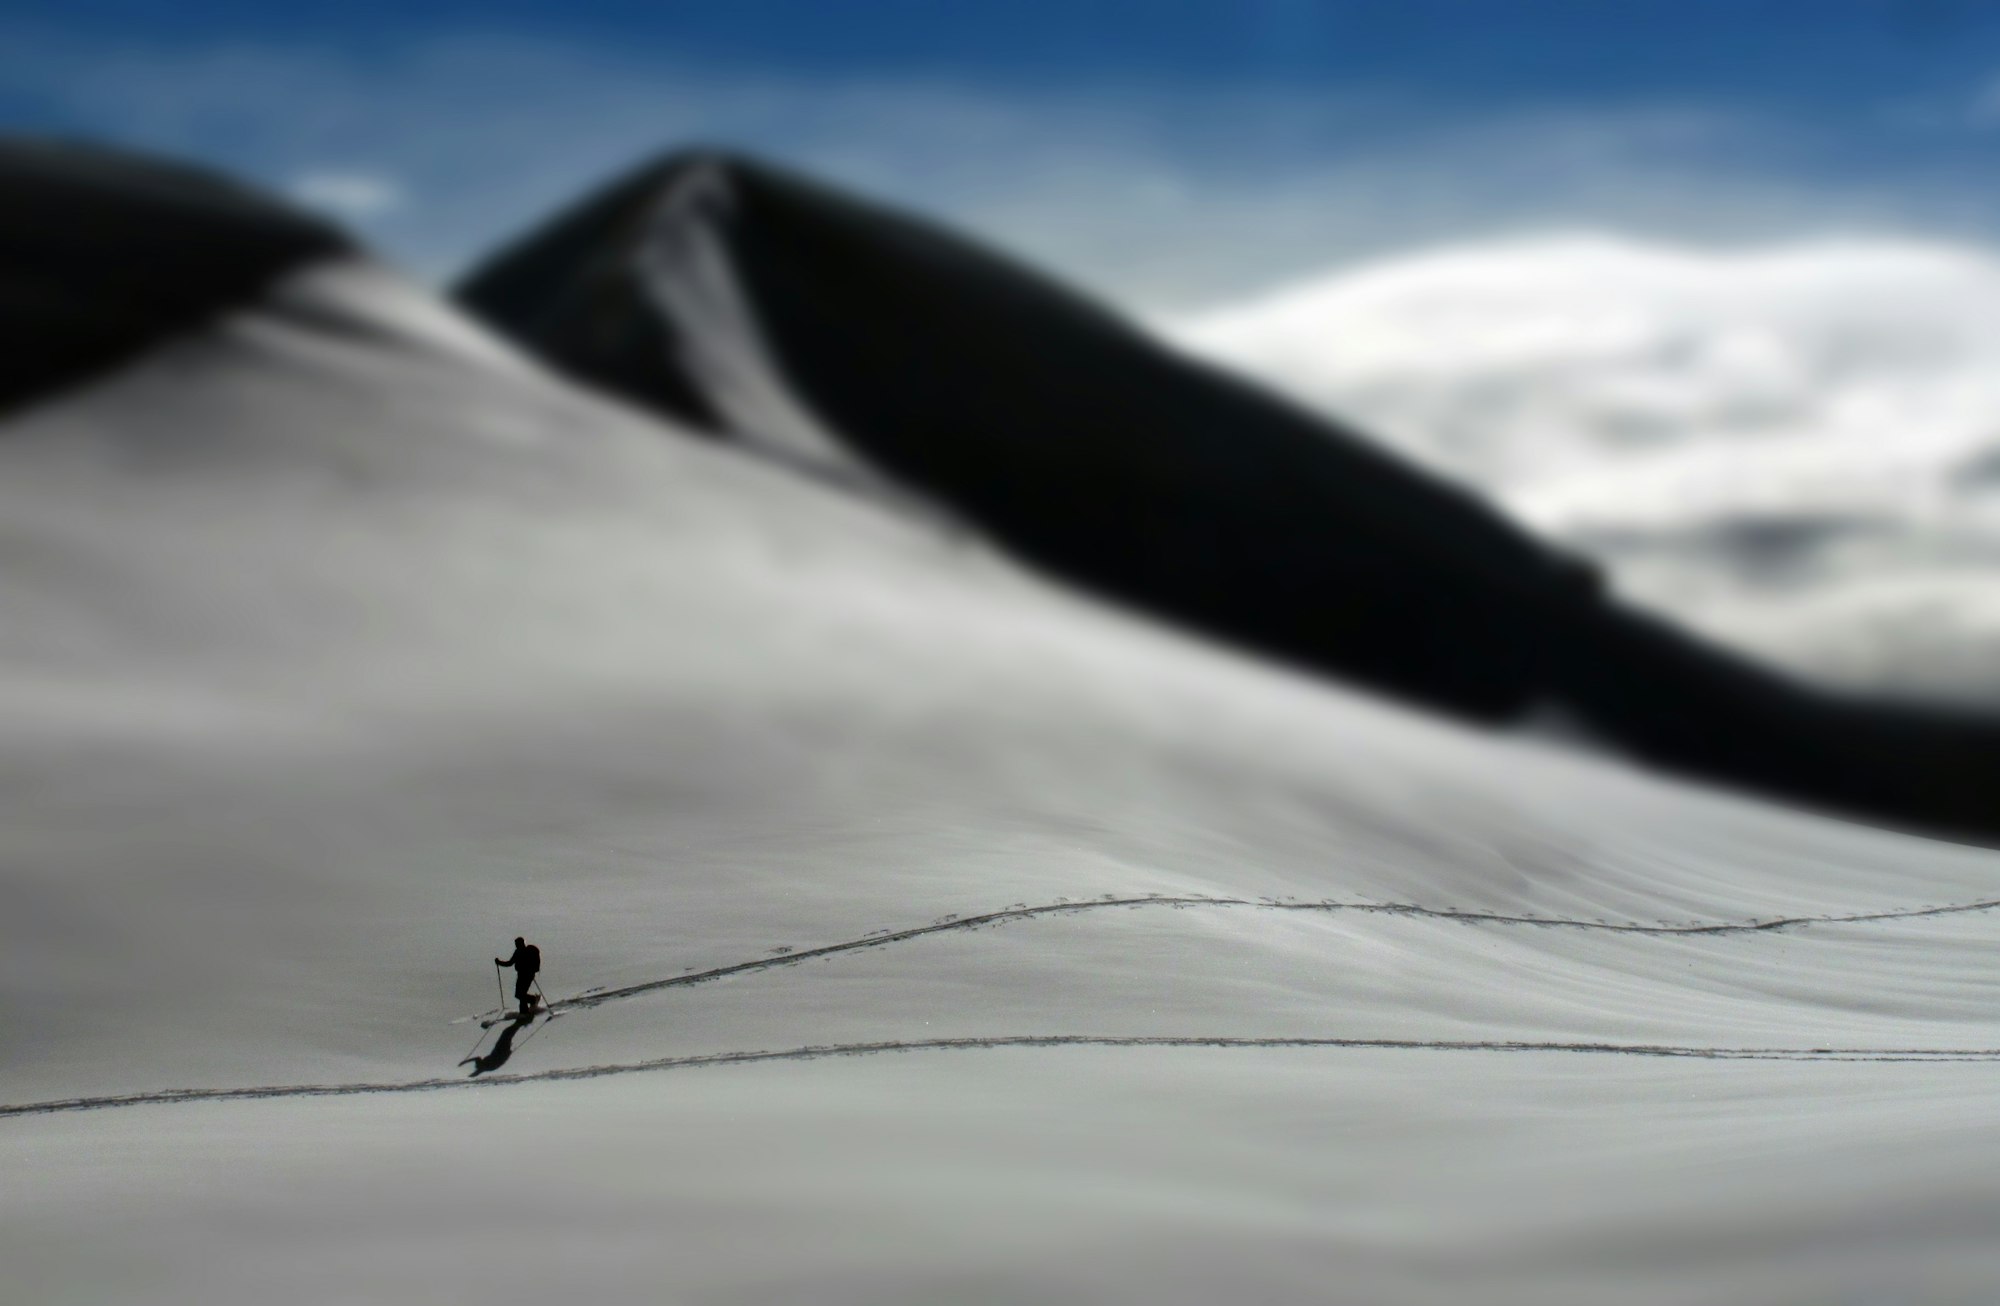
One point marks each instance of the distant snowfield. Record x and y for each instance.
(1797, 449)
(343, 645)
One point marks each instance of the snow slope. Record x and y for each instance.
(1791, 447)
(344, 645)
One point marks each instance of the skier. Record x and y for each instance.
(526, 961)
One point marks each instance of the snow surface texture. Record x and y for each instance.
(344, 645)
(1794, 449)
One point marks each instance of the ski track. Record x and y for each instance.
(819, 1051)
(883, 938)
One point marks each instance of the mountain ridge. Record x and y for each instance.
(724, 290)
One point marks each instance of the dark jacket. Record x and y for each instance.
(527, 957)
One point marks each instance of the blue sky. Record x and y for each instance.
(1169, 154)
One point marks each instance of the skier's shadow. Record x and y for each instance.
(502, 1048)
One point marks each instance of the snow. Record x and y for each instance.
(345, 645)
(1011, 1176)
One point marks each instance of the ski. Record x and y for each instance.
(523, 1017)
(485, 1018)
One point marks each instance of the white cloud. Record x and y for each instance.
(1786, 445)
(348, 194)
(1518, 363)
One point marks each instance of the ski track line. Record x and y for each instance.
(882, 939)
(816, 1052)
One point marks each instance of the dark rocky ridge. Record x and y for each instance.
(103, 254)
(1060, 430)
(1105, 459)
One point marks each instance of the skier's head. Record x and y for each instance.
(519, 942)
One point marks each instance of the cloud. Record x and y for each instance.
(1782, 444)
(1533, 365)
(347, 194)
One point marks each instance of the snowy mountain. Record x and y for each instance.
(876, 350)
(1792, 448)
(344, 643)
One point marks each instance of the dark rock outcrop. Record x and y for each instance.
(103, 254)
(1053, 426)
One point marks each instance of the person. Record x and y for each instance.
(527, 962)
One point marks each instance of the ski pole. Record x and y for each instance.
(500, 984)
(538, 990)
